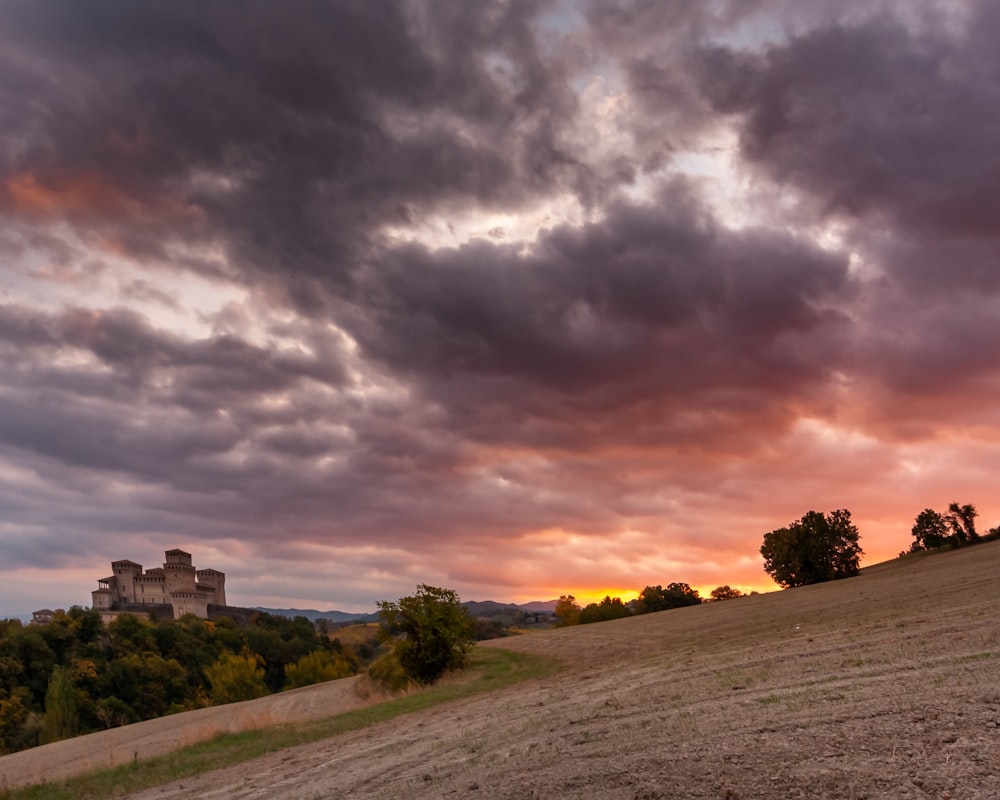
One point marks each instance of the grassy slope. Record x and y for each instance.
(488, 671)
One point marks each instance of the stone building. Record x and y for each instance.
(176, 588)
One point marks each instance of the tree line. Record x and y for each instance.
(77, 675)
(651, 598)
(933, 530)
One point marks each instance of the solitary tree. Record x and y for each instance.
(430, 632)
(814, 549)
(930, 530)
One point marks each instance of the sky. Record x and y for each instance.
(515, 298)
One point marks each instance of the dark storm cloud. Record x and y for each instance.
(290, 134)
(653, 305)
(891, 130)
(876, 119)
(125, 341)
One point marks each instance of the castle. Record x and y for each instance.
(175, 589)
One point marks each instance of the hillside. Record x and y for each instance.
(884, 685)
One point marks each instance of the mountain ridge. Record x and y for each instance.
(478, 608)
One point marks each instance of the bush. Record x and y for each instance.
(388, 673)
(429, 632)
(236, 677)
(317, 667)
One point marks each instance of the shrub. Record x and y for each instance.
(430, 632)
(388, 673)
(317, 667)
(236, 677)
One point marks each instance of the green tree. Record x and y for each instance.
(236, 677)
(14, 715)
(317, 667)
(150, 684)
(130, 634)
(725, 593)
(62, 719)
(656, 598)
(930, 530)
(814, 549)
(280, 641)
(37, 661)
(682, 595)
(609, 608)
(430, 632)
(87, 625)
(567, 612)
(113, 713)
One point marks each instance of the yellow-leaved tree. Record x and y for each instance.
(236, 676)
(316, 667)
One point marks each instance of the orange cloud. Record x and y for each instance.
(90, 195)
(71, 196)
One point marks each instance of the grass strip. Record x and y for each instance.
(488, 670)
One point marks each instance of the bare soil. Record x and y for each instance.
(882, 686)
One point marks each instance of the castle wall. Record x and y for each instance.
(179, 578)
(148, 611)
(151, 589)
(189, 603)
(214, 580)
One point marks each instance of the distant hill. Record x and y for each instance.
(478, 608)
(312, 614)
(539, 605)
(485, 608)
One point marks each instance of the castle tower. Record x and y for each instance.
(103, 597)
(122, 581)
(215, 581)
(179, 573)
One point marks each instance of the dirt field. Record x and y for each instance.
(882, 686)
